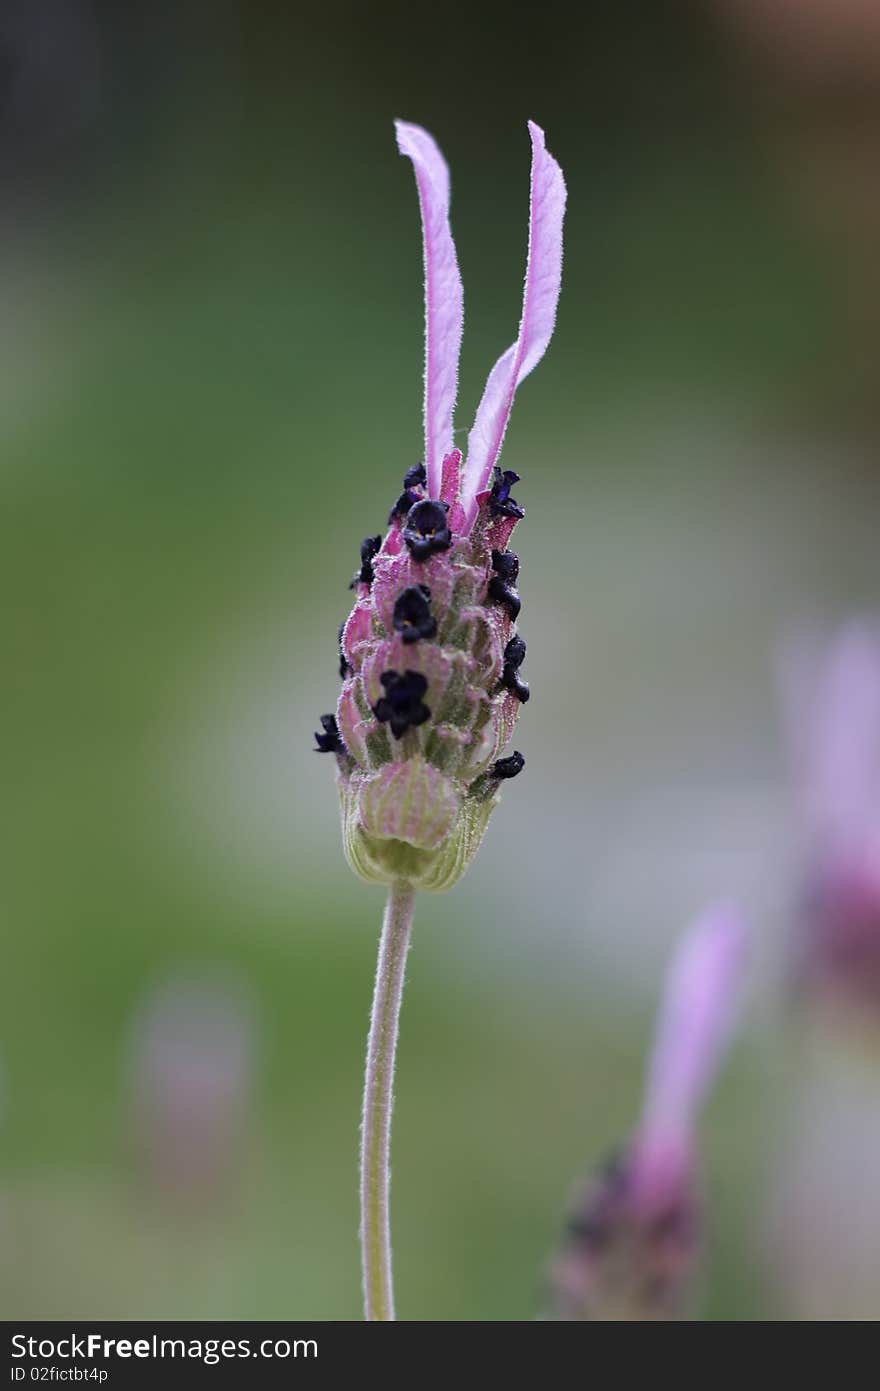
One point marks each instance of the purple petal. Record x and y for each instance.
(540, 297)
(444, 299)
(699, 1009)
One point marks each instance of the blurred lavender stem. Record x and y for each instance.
(378, 1102)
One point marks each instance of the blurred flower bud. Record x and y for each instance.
(833, 709)
(629, 1248)
(632, 1242)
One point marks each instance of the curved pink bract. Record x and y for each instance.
(540, 298)
(699, 1009)
(444, 298)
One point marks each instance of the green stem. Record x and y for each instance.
(378, 1102)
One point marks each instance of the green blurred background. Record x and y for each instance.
(211, 387)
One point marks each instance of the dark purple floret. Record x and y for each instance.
(508, 767)
(415, 477)
(501, 504)
(370, 547)
(401, 706)
(329, 741)
(408, 498)
(505, 594)
(344, 665)
(514, 656)
(502, 585)
(506, 566)
(515, 653)
(413, 618)
(426, 529)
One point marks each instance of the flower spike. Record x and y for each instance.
(540, 297)
(444, 297)
(633, 1238)
(430, 655)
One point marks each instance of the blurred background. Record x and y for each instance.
(211, 339)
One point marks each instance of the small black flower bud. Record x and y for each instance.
(407, 499)
(426, 529)
(506, 566)
(401, 706)
(508, 767)
(413, 618)
(370, 547)
(329, 741)
(501, 504)
(344, 667)
(502, 585)
(514, 656)
(515, 653)
(415, 477)
(505, 594)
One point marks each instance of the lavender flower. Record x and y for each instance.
(833, 702)
(430, 655)
(632, 1241)
(823, 1214)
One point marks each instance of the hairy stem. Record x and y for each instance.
(378, 1102)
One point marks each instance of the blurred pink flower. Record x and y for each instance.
(633, 1240)
(832, 692)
